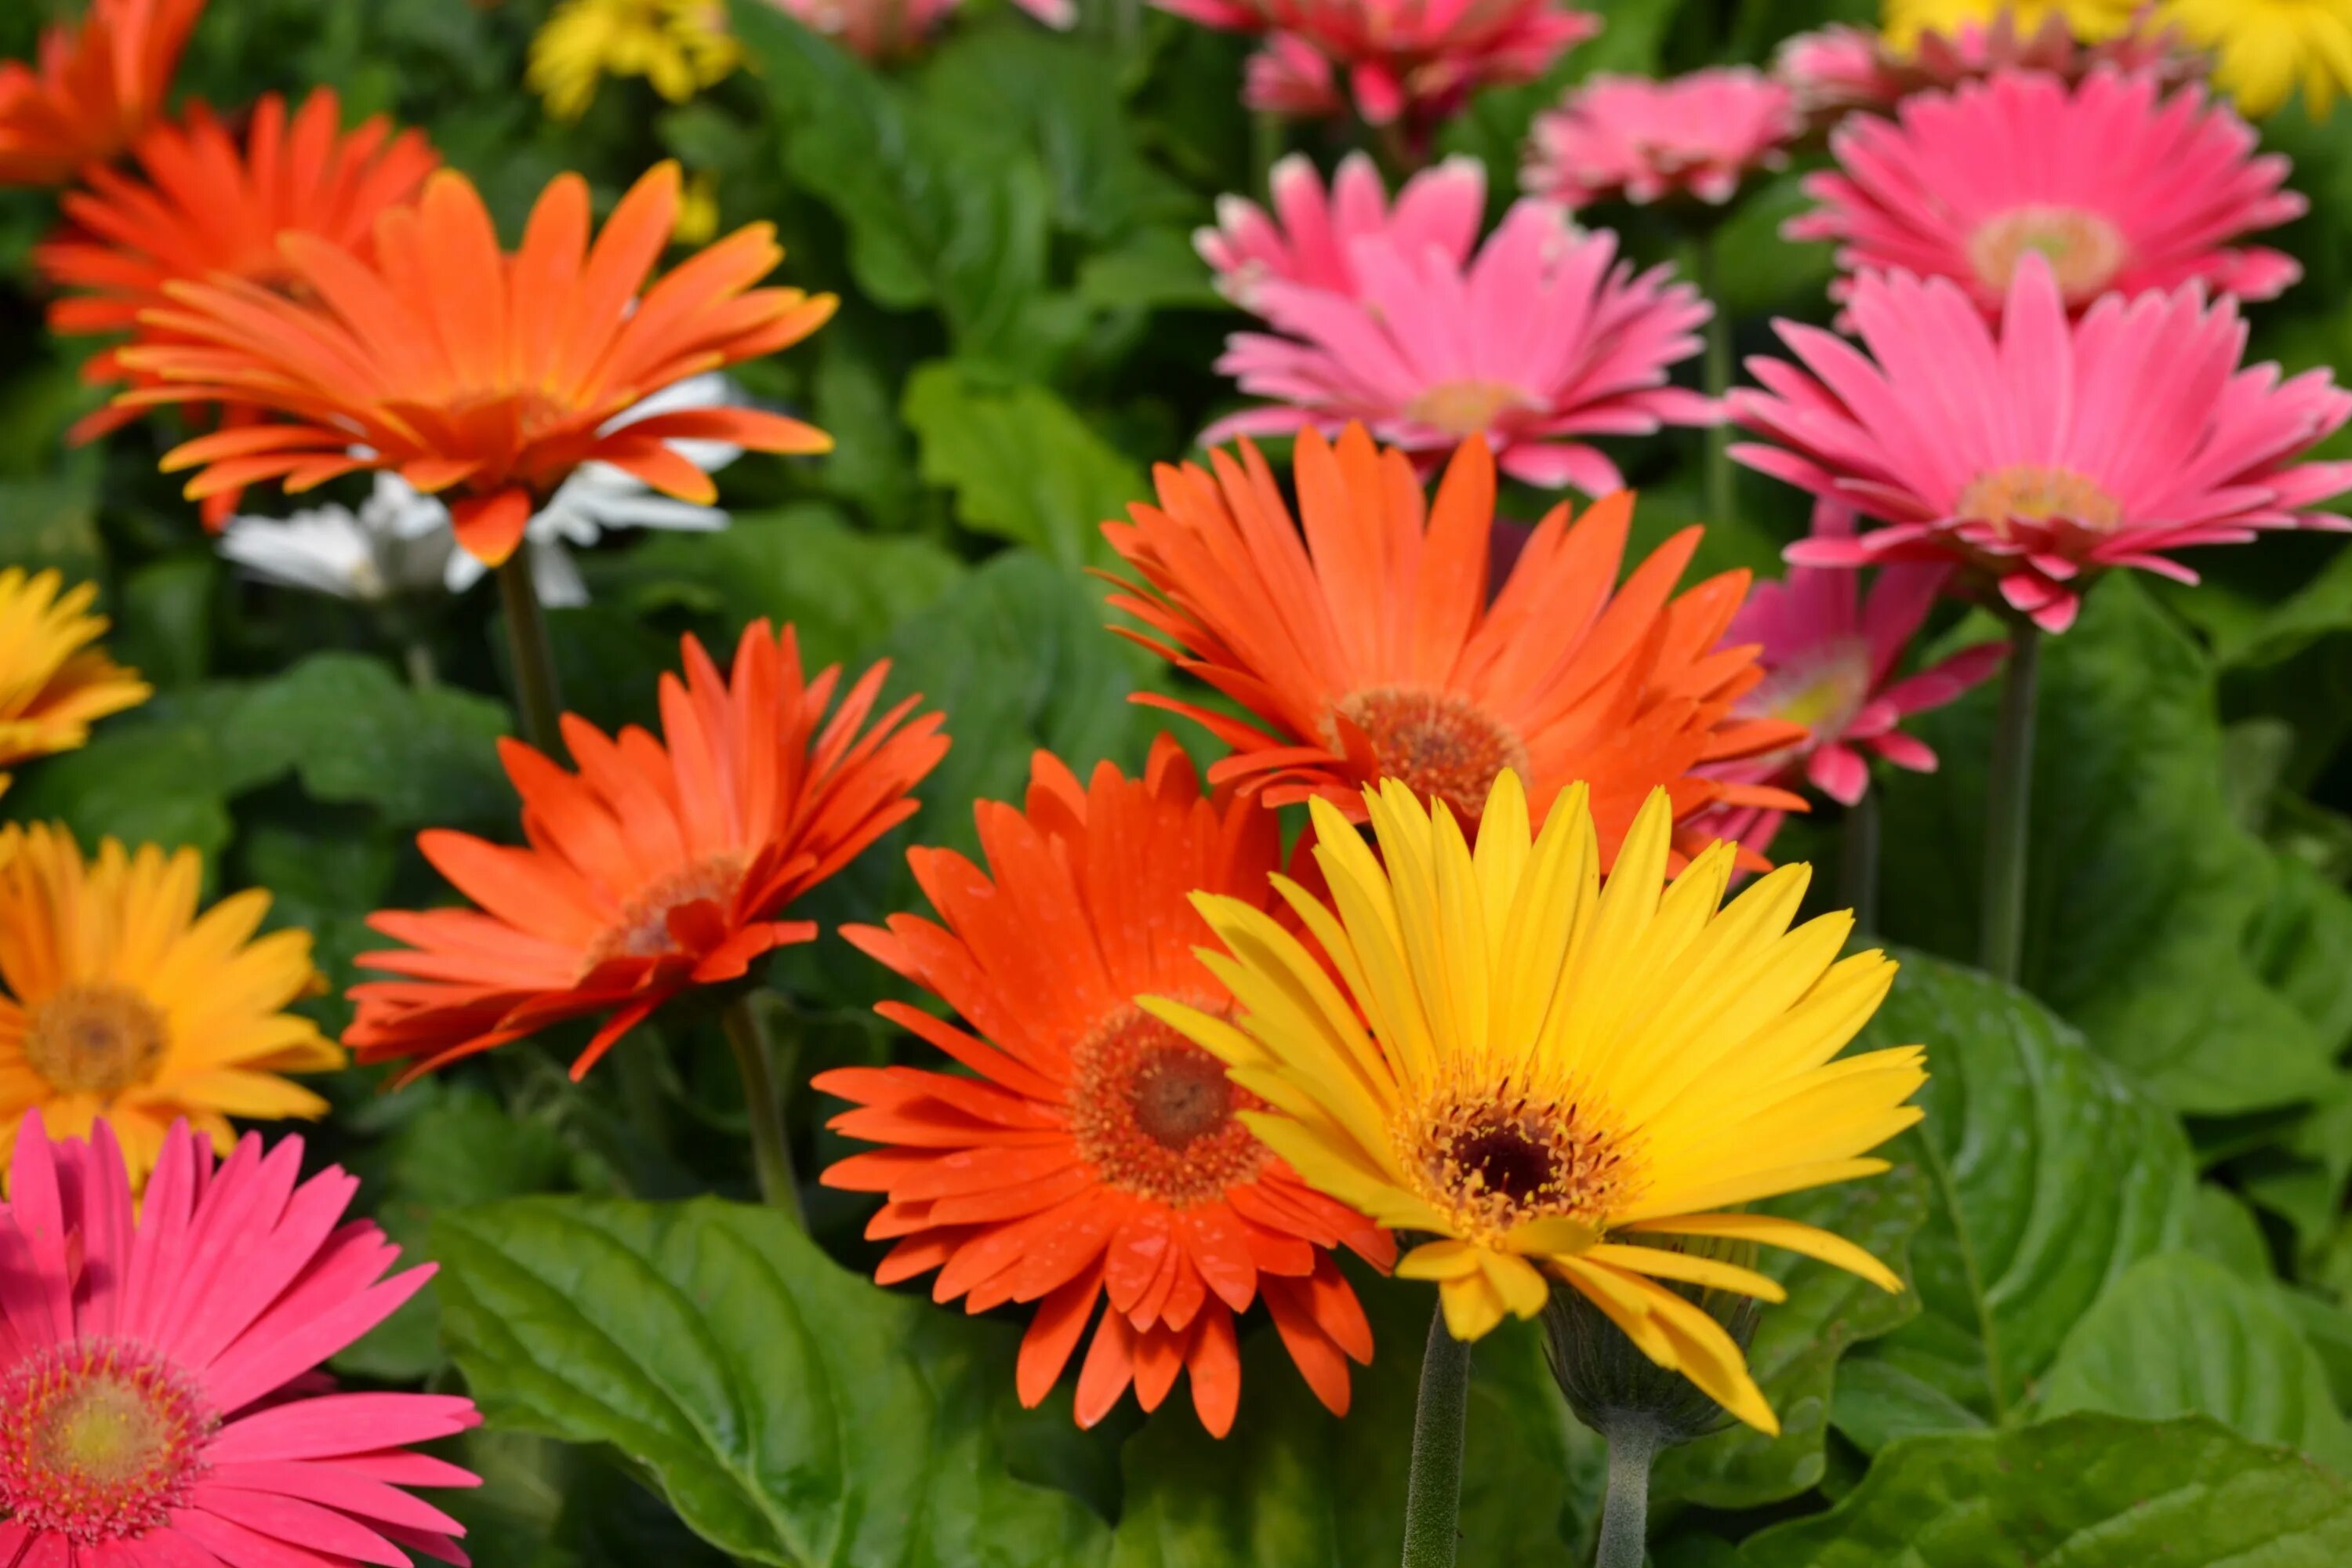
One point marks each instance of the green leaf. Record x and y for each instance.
(1877, 1402)
(790, 1411)
(2224, 1229)
(2088, 1491)
(2052, 1175)
(2178, 1335)
(143, 783)
(1023, 465)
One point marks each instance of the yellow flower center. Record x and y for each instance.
(2027, 492)
(1439, 744)
(1495, 1162)
(1153, 1113)
(642, 930)
(1465, 407)
(96, 1037)
(100, 1443)
(1821, 692)
(2084, 250)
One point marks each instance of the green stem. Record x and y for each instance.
(1266, 150)
(1858, 863)
(424, 673)
(2008, 803)
(1625, 1515)
(772, 1155)
(540, 699)
(1720, 477)
(1433, 1498)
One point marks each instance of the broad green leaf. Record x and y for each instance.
(1877, 1402)
(1025, 465)
(2088, 1491)
(791, 1411)
(2224, 1229)
(141, 782)
(2178, 1335)
(53, 521)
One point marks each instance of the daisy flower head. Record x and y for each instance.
(120, 998)
(1842, 68)
(92, 89)
(2089, 20)
(2036, 452)
(53, 682)
(659, 866)
(1365, 646)
(2145, 191)
(2264, 51)
(1309, 236)
(1096, 1156)
(1630, 136)
(158, 1362)
(464, 370)
(1548, 1074)
(680, 46)
(1541, 339)
(1835, 68)
(885, 30)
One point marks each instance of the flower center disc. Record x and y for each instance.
(1153, 1112)
(642, 928)
(101, 1442)
(1497, 1164)
(2084, 250)
(94, 1038)
(1822, 691)
(1437, 743)
(2033, 494)
(1464, 407)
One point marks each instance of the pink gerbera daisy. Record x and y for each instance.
(2121, 191)
(1307, 239)
(1411, 61)
(2037, 451)
(156, 1361)
(1642, 139)
(1842, 66)
(1543, 338)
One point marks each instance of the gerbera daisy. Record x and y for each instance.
(680, 46)
(93, 91)
(1542, 338)
(1628, 136)
(1367, 647)
(2264, 49)
(893, 29)
(1551, 1072)
(1096, 1153)
(1841, 66)
(1399, 60)
(2089, 20)
(1963, 185)
(465, 370)
(158, 1364)
(660, 865)
(53, 684)
(118, 1000)
(2036, 451)
(1309, 236)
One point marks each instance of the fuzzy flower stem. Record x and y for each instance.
(2008, 800)
(772, 1155)
(1858, 863)
(540, 699)
(1720, 477)
(1634, 1443)
(1433, 1498)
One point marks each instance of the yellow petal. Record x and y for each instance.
(1771, 1230)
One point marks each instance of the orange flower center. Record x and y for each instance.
(1462, 408)
(1494, 1163)
(642, 929)
(94, 1038)
(1439, 744)
(2084, 250)
(1153, 1113)
(101, 1441)
(2031, 493)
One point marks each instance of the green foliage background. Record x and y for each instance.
(2130, 1339)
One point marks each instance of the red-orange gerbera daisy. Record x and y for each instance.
(1097, 1152)
(1368, 647)
(660, 865)
(464, 369)
(93, 91)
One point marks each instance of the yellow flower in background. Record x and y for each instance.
(2264, 48)
(119, 999)
(2089, 20)
(680, 46)
(53, 684)
(697, 213)
(1554, 1071)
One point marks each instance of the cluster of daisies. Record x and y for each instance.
(1495, 997)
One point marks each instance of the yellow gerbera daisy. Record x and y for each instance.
(53, 684)
(1554, 1070)
(2263, 48)
(118, 999)
(680, 46)
(2090, 20)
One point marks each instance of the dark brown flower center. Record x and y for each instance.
(96, 1037)
(1495, 1163)
(1437, 743)
(1153, 1112)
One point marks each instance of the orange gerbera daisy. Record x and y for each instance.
(202, 205)
(467, 370)
(1097, 1152)
(660, 865)
(93, 91)
(1369, 649)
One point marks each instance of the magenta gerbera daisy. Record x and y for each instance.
(154, 1362)
(1628, 136)
(2121, 190)
(1542, 339)
(2036, 452)
(1309, 235)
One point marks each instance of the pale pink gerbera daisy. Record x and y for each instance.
(156, 1360)
(1642, 139)
(2120, 191)
(2035, 451)
(1842, 66)
(1307, 239)
(1542, 339)
(1412, 61)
